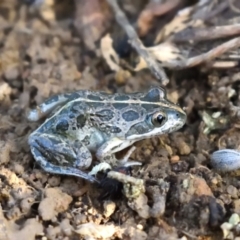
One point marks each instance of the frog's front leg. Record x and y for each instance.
(106, 152)
(58, 155)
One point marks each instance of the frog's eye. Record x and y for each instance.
(158, 119)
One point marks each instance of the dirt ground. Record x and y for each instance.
(42, 54)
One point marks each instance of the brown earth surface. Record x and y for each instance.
(185, 198)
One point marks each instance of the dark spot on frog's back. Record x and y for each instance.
(149, 107)
(86, 140)
(121, 98)
(105, 115)
(139, 128)
(115, 129)
(76, 108)
(62, 125)
(153, 95)
(95, 104)
(94, 97)
(120, 106)
(81, 119)
(130, 115)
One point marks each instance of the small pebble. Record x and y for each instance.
(226, 227)
(54, 181)
(215, 181)
(234, 219)
(11, 73)
(140, 226)
(18, 169)
(122, 76)
(174, 159)
(147, 152)
(80, 218)
(226, 160)
(232, 191)
(184, 149)
(109, 208)
(236, 206)
(66, 227)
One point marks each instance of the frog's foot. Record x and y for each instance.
(106, 153)
(124, 161)
(101, 167)
(104, 166)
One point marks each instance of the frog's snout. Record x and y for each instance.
(178, 115)
(181, 116)
(177, 118)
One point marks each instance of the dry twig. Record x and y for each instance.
(137, 44)
(154, 9)
(201, 34)
(205, 57)
(233, 7)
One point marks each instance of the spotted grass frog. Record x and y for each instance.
(83, 123)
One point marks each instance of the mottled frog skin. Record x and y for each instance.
(83, 123)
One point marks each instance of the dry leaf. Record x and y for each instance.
(109, 53)
(93, 17)
(181, 21)
(152, 10)
(164, 53)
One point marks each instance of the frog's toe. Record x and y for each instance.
(102, 167)
(125, 163)
(129, 164)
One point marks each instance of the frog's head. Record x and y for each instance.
(161, 116)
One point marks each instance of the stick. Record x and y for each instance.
(205, 57)
(137, 44)
(201, 34)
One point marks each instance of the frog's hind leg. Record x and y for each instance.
(56, 156)
(51, 104)
(51, 168)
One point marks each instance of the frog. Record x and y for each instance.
(82, 124)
